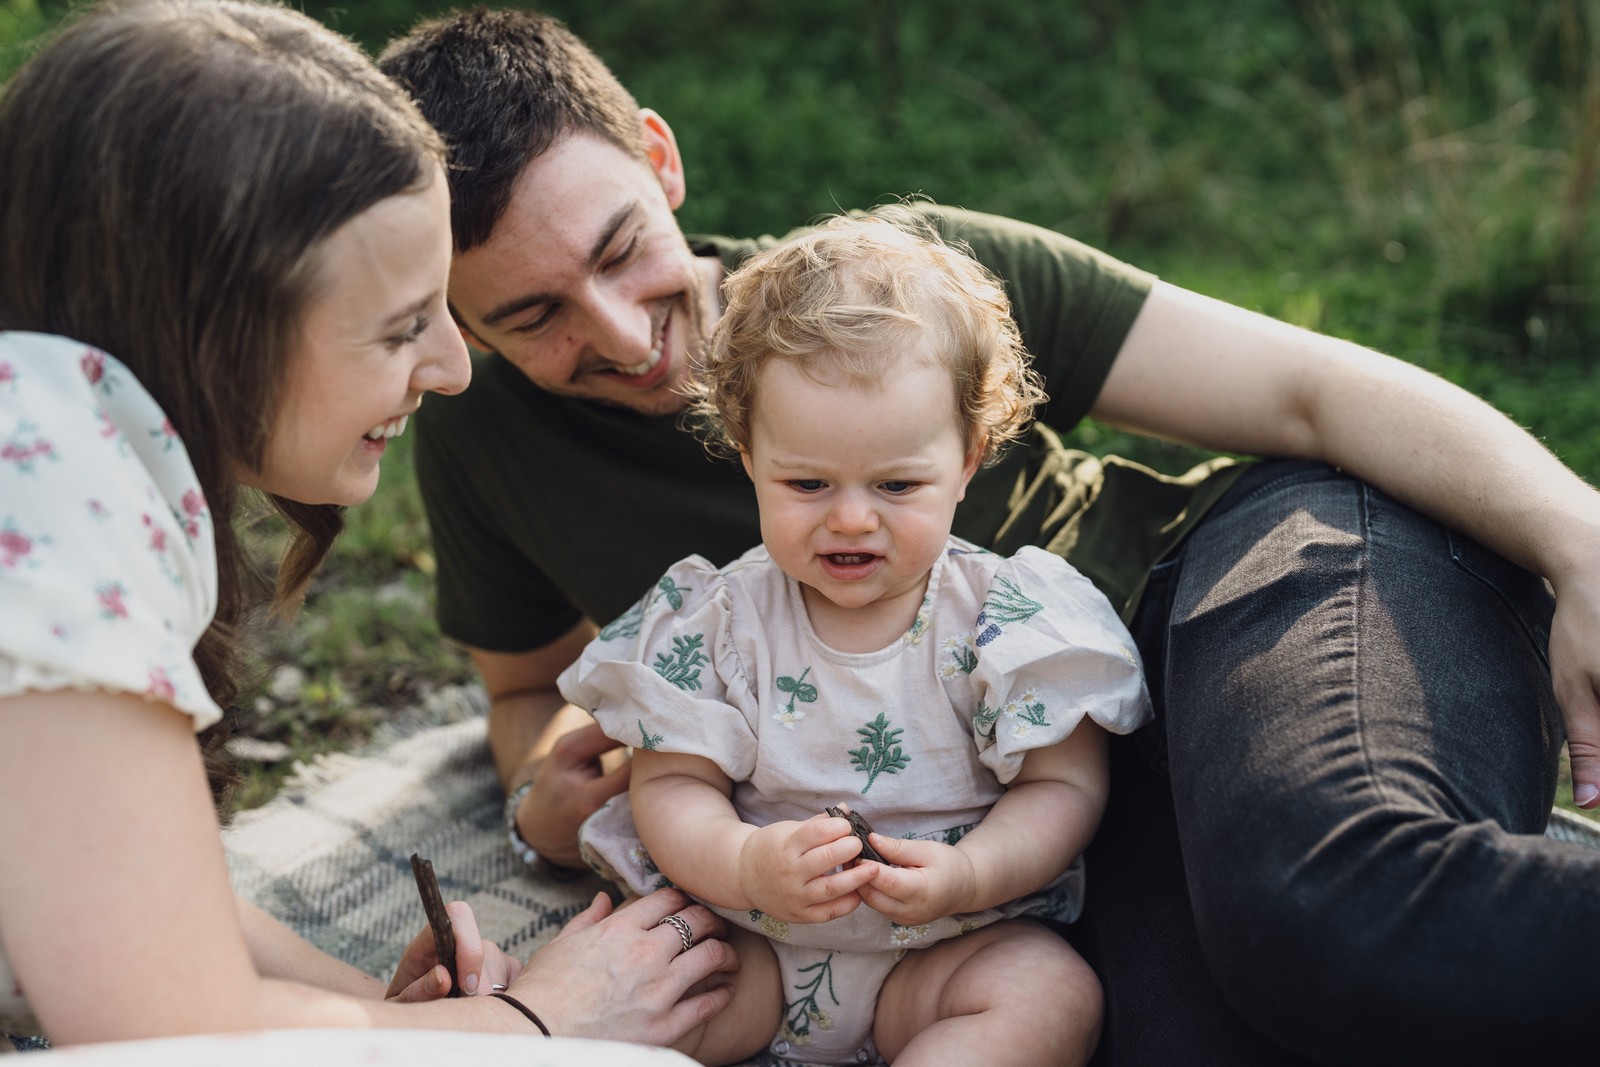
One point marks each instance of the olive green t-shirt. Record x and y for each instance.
(545, 510)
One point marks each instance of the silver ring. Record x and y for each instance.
(680, 924)
(496, 987)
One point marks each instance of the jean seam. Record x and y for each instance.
(1363, 573)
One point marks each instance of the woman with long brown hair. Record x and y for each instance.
(224, 241)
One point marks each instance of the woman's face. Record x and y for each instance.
(376, 336)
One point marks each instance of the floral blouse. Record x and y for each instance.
(108, 571)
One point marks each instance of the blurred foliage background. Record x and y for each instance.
(1416, 175)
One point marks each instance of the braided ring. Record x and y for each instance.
(680, 924)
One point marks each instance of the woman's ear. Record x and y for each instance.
(661, 148)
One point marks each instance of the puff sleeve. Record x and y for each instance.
(665, 675)
(108, 573)
(1050, 650)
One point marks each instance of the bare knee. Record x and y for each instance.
(744, 1027)
(1014, 985)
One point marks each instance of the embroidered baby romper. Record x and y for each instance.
(1005, 655)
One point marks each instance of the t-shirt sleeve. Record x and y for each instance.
(665, 675)
(1050, 650)
(108, 571)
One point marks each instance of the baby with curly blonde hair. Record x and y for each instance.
(862, 657)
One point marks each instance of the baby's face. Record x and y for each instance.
(857, 486)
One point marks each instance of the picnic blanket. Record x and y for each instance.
(330, 854)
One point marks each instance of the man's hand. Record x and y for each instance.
(930, 880)
(1575, 673)
(783, 869)
(569, 786)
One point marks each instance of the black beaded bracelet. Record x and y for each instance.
(524, 1009)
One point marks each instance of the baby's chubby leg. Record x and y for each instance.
(1012, 992)
(746, 1025)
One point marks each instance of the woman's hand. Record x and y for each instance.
(479, 966)
(624, 975)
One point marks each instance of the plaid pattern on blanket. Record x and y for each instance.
(331, 854)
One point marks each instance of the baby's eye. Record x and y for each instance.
(897, 488)
(806, 485)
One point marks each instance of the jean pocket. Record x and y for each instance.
(1523, 593)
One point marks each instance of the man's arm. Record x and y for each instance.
(1207, 373)
(535, 734)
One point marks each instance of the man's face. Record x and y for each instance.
(586, 283)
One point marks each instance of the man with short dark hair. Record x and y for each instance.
(1322, 848)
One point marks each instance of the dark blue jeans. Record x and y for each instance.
(1326, 849)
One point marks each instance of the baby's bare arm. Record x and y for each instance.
(1030, 836)
(685, 819)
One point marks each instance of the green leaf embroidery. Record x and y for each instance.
(1033, 713)
(800, 1013)
(798, 689)
(627, 624)
(881, 754)
(983, 721)
(1006, 603)
(647, 740)
(682, 668)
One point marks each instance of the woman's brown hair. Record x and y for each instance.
(168, 172)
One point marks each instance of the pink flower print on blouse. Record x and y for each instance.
(94, 366)
(8, 375)
(26, 451)
(161, 687)
(14, 545)
(158, 536)
(98, 510)
(165, 434)
(194, 510)
(110, 595)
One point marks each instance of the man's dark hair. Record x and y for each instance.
(503, 87)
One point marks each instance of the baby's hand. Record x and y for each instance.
(784, 870)
(929, 880)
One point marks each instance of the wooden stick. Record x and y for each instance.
(861, 828)
(444, 935)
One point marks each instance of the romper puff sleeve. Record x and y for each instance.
(108, 572)
(1049, 651)
(665, 675)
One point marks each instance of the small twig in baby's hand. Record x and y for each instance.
(861, 828)
(444, 935)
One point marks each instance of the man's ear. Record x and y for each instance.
(661, 147)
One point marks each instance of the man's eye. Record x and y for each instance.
(621, 258)
(806, 485)
(537, 324)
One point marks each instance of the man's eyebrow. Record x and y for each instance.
(608, 233)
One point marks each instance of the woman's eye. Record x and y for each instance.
(418, 327)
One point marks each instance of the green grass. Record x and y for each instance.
(1415, 175)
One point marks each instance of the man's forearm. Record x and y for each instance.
(522, 727)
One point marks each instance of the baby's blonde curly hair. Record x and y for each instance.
(851, 298)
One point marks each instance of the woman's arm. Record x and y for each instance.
(1033, 833)
(120, 923)
(684, 817)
